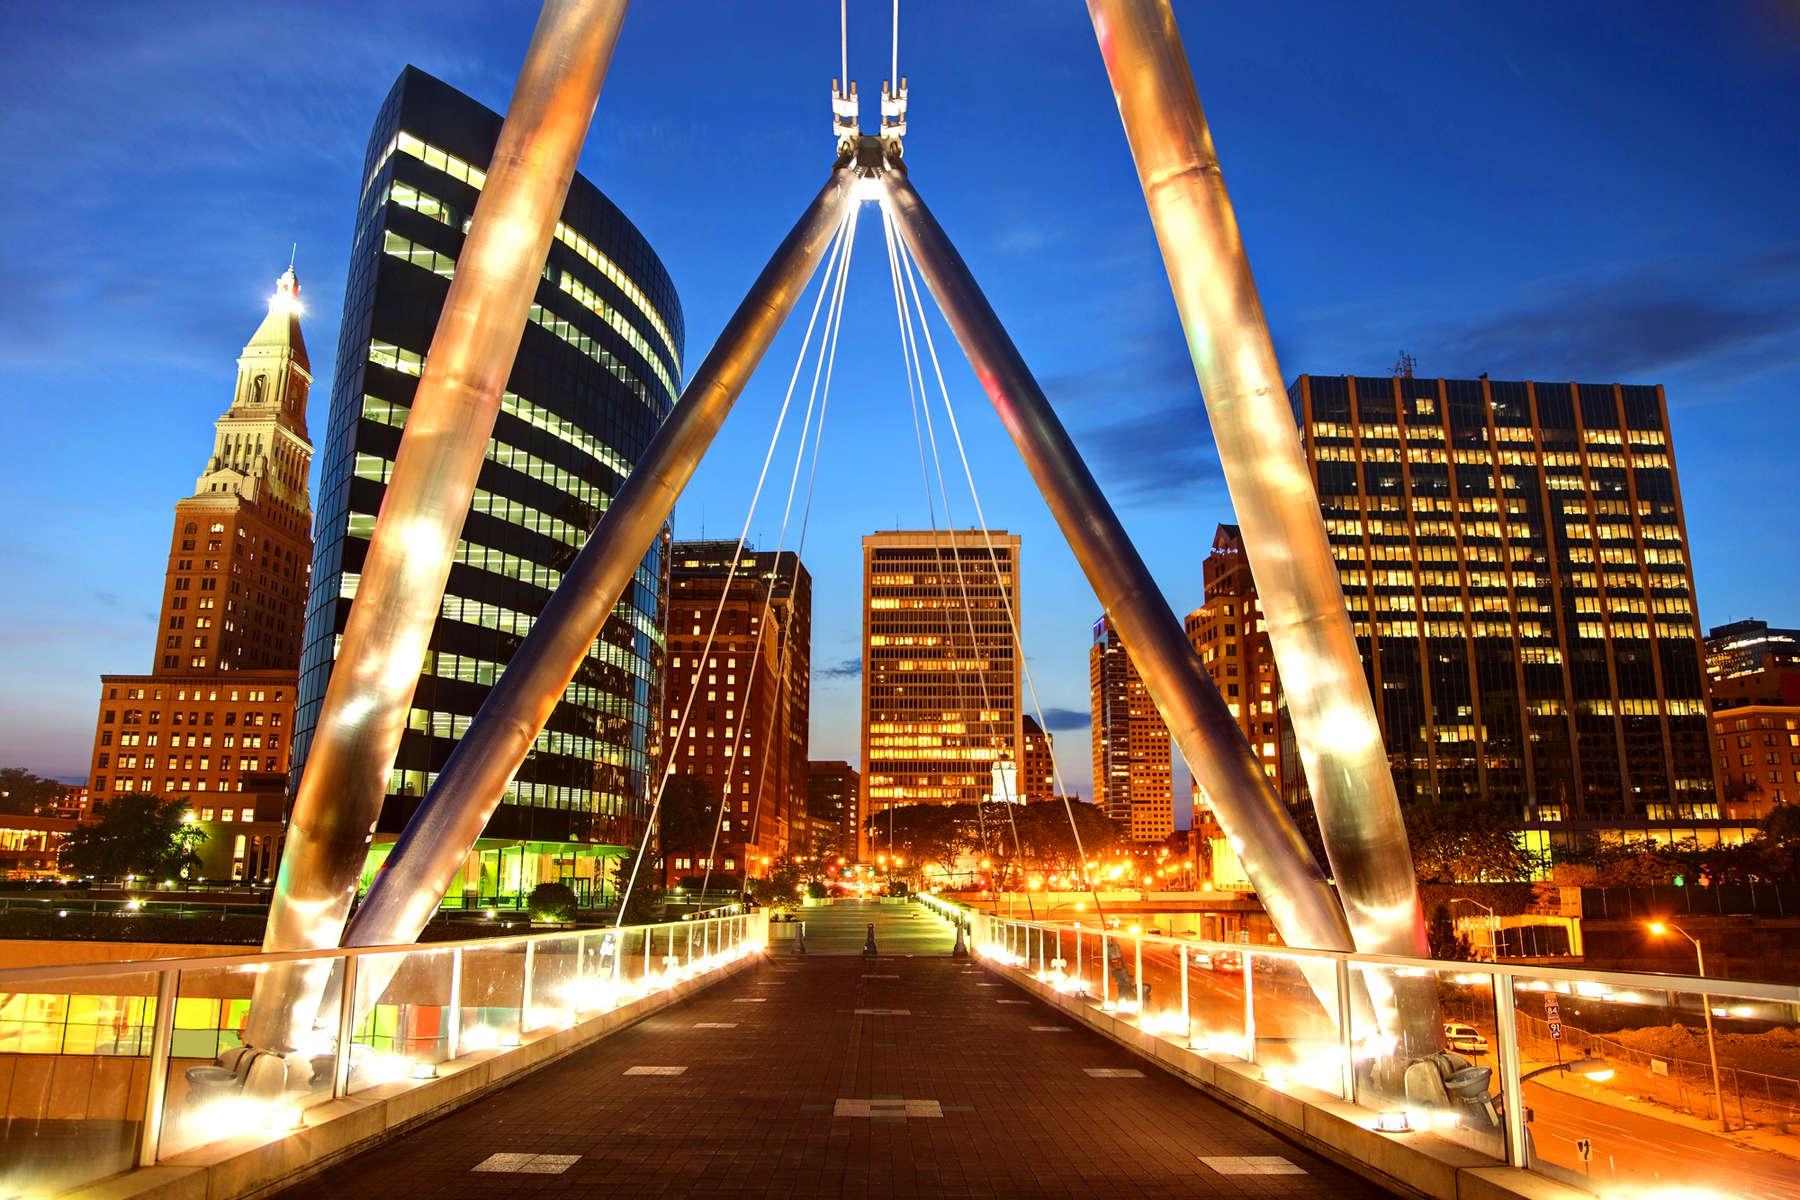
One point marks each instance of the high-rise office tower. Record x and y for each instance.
(212, 721)
(1037, 762)
(596, 372)
(1228, 634)
(832, 789)
(1516, 554)
(746, 697)
(941, 721)
(1132, 750)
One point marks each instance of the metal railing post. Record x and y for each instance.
(1346, 1039)
(525, 988)
(1105, 973)
(1249, 1007)
(340, 1066)
(1138, 944)
(1506, 1050)
(1187, 1020)
(649, 947)
(1078, 960)
(162, 1034)
(453, 1023)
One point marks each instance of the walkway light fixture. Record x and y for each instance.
(1658, 929)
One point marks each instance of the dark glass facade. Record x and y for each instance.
(597, 370)
(1515, 555)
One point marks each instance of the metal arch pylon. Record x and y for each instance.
(363, 714)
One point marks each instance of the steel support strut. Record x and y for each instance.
(444, 829)
(1275, 858)
(1265, 469)
(452, 418)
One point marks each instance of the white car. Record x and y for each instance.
(1464, 1039)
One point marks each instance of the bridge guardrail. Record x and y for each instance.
(1310, 1023)
(109, 1066)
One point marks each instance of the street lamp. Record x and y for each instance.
(1658, 928)
(1492, 924)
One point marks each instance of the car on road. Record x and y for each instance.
(1464, 1039)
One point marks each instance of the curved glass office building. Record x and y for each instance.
(598, 369)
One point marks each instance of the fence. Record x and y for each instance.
(1658, 903)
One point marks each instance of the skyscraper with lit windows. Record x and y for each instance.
(597, 370)
(1132, 750)
(941, 717)
(1514, 557)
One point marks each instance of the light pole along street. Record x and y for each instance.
(1712, 1050)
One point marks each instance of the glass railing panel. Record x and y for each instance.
(1294, 1013)
(1622, 1095)
(1215, 986)
(404, 1017)
(206, 1098)
(1424, 1043)
(493, 997)
(556, 994)
(74, 1061)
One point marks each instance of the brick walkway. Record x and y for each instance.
(838, 1076)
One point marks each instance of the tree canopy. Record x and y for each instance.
(941, 834)
(25, 794)
(135, 835)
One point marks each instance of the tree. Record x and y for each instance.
(924, 833)
(1443, 940)
(552, 902)
(1467, 841)
(1048, 843)
(24, 794)
(640, 907)
(135, 835)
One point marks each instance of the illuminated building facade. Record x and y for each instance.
(1516, 554)
(832, 792)
(1758, 747)
(747, 699)
(940, 676)
(213, 720)
(1037, 762)
(1227, 633)
(1749, 663)
(597, 370)
(1132, 750)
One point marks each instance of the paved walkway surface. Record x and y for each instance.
(838, 1076)
(842, 927)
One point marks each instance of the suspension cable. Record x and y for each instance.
(828, 338)
(662, 781)
(974, 494)
(915, 364)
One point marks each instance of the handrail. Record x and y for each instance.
(12, 975)
(1644, 980)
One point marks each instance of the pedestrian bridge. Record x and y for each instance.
(714, 1057)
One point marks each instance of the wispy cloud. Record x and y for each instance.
(1139, 417)
(848, 668)
(1060, 720)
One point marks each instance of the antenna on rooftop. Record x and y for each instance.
(1403, 367)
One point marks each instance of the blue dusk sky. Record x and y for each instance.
(1541, 190)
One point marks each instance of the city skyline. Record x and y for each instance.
(174, 269)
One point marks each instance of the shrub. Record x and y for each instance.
(552, 902)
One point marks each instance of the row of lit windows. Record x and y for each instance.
(476, 178)
(439, 263)
(388, 412)
(492, 616)
(430, 206)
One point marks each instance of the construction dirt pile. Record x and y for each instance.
(1776, 1052)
